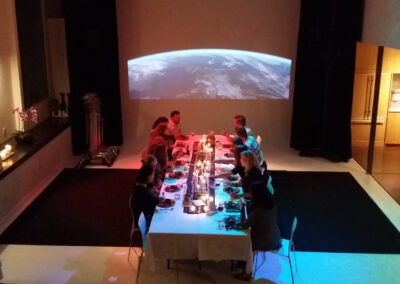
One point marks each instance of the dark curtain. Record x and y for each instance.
(92, 47)
(329, 31)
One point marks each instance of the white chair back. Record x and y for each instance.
(259, 139)
(143, 228)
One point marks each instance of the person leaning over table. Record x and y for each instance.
(238, 169)
(262, 221)
(144, 199)
(161, 119)
(158, 173)
(252, 171)
(158, 148)
(250, 142)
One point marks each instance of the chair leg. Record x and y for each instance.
(294, 254)
(253, 274)
(291, 271)
(140, 261)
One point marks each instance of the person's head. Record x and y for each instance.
(161, 119)
(175, 116)
(239, 120)
(236, 140)
(248, 160)
(145, 175)
(161, 128)
(150, 160)
(238, 150)
(260, 195)
(241, 132)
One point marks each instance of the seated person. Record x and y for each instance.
(250, 142)
(240, 120)
(159, 149)
(263, 224)
(252, 172)
(262, 219)
(158, 173)
(174, 126)
(144, 199)
(161, 119)
(238, 169)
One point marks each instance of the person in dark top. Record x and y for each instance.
(238, 169)
(263, 224)
(251, 169)
(262, 219)
(144, 199)
(159, 175)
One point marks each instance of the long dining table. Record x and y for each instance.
(176, 235)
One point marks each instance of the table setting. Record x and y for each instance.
(199, 217)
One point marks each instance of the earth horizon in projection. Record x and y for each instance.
(209, 74)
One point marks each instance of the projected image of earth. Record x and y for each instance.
(209, 74)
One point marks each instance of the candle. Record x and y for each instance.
(8, 148)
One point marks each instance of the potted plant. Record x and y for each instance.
(24, 133)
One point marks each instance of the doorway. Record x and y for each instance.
(386, 151)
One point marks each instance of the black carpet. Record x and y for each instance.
(90, 207)
(87, 207)
(334, 214)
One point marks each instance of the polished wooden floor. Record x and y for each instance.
(386, 167)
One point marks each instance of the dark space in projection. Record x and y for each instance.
(209, 74)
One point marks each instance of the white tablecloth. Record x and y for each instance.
(177, 235)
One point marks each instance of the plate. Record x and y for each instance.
(233, 178)
(229, 155)
(166, 203)
(180, 163)
(230, 190)
(175, 175)
(172, 188)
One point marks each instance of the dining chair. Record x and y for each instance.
(286, 250)
(142, 228)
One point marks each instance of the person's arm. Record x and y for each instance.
(249, 221)
(221, 175)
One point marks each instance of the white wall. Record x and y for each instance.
(10, 90)
(152, 26)
(382, 23)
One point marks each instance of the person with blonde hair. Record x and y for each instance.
(252, 171)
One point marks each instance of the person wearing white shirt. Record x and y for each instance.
(174, 126)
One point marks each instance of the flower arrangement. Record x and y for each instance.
(24, 123)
